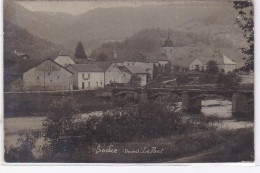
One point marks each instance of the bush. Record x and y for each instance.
(59, 130)
(228, 81)
(212, 67)
(72, 140)
(24, 151)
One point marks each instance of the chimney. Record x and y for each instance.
(115, 54)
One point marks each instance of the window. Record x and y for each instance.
(128, 64)
(97, 84)
(124, 74)
(89, 84)
(58, 77)
(38, 77)
(88, 76)
(83, 85)
(49, 73)
(82, 75)
(51, 81)
(101, 83)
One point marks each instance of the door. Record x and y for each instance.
(83, 85)
(197, 67)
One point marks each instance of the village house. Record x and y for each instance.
(141, 62)
(223, 62)
(163, 59)
(139, 73)
(47, 75)
(127, 74)
(87, 76)
(114, 74)
(63, 59)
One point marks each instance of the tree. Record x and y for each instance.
(155, 71)
(102, 57)
(229, 81)
(24, 151)
(245, 21)
(212, 67)
(59, 130)
(167, 69)
(80, 52)
(135, 80)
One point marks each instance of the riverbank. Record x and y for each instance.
(37, 104)
(221, 108)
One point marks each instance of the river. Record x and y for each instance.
(13, 127)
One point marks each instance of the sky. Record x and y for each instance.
(79, 7)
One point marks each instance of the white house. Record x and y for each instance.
(197, 64)
(63, 59)
(141, 62)
(223, 62)
(87, 76)
(139, 73)
(113, 74)
(46, 75)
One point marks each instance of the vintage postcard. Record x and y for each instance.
(128, 81)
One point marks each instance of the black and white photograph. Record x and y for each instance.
(113, 81)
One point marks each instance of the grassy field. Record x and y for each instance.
(223, 146)
(37, 104)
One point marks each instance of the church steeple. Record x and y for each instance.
(168, 42)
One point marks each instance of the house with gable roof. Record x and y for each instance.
(87, 76)
(62, 58)
(139, 73)
(46, 75)
(141, 62)
(223, 62)
(113, 73)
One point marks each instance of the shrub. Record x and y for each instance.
(59, 130)
(212, 67)
(228, 81)
(24, 151)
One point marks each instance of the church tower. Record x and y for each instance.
(168, 48)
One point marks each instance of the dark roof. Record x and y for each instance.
(124, 69)
(81, 61)
(23, 66)
(168, 42)
(104, 65)
(55, 54)
(51, 61)
(87, 67)
(136, 70)
(139, 57)
(159, 57)
(219, 58)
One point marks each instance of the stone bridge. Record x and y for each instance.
(242, 101)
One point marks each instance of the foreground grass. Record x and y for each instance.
(133, 133)
(222, 146)
(208, 146)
